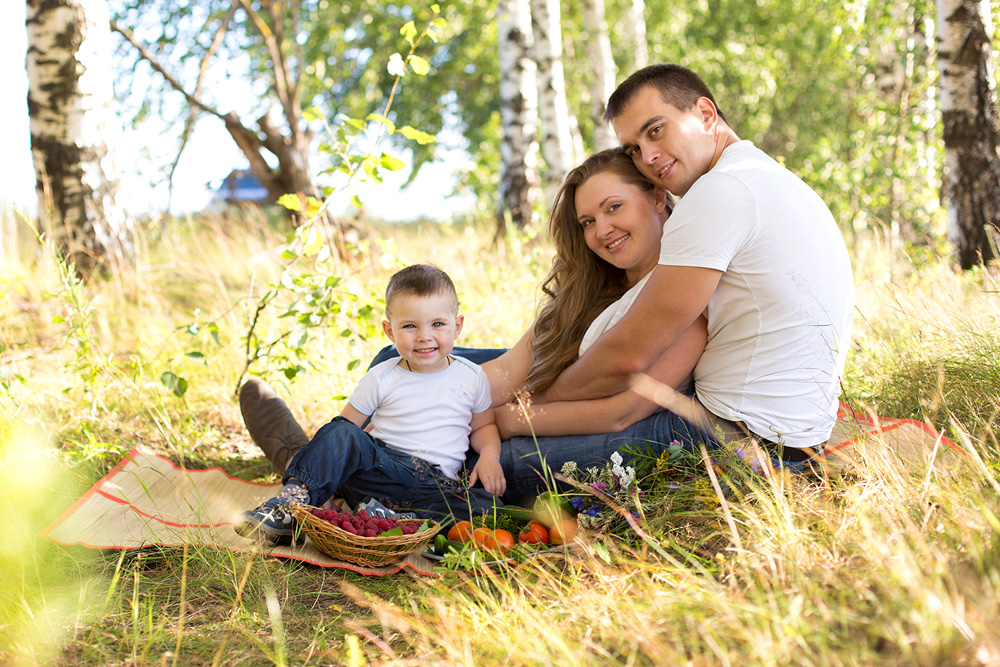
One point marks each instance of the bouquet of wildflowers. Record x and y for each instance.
(615, 483)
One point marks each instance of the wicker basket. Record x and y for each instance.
(370, 551)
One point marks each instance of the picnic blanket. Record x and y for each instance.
(146, 500)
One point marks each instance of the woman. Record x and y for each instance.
(606, 222)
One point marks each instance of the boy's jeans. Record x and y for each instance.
(341, 459)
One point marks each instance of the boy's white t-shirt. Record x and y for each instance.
(427, 415)
(779, 323)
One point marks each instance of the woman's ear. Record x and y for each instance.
(661, 197)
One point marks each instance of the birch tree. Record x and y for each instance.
(635, 33)
(969, 116)
(553, 111)
(604, 70)
(518, 114)
(71, 121)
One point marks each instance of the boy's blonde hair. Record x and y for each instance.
(419, 280)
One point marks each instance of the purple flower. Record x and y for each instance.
(675, 443)
(599, 486)
(577, 504)
(594, 510)
(637, 491)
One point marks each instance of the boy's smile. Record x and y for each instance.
(424, 329)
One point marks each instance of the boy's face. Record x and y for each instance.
(424, 329)
(671, 147)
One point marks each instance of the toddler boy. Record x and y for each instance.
(426, 408)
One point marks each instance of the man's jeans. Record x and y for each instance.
(521, 457)
(341, 459)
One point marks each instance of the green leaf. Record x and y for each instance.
(312, 242)
(298, 338)
(396, 65)
(353, 364)
(414, 134)
(57, 319)
(312, 113)
(290, 202)
(436, 8)
(196, 355)
(382, 119)
(177, 385)
(419, 65)
(409, 32)
(356, 201)
(392, 163)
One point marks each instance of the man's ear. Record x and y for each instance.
(709, 114)
(387, 328)
(459, 321)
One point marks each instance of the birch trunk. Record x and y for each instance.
(603, 63)
(969, 118)
(553, 110)
(518, 114)
(72, 130)
(635, 34)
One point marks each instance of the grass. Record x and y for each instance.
(879, 566)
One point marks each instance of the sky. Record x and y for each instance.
(210, 156)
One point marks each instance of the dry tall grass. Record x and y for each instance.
(880, 566)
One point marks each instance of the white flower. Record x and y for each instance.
(616, 460)
(569, 468)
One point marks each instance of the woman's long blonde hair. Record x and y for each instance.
(580, 285)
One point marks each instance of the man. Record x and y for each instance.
(749, 245)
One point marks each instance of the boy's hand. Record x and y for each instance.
(489, 472)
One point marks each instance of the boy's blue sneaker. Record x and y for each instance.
(271, 520)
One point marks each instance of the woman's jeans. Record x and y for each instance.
(528, 462)
(343, 460)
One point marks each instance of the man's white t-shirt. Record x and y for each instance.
(427, 415)
(779, 323)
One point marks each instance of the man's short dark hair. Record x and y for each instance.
(678, 86)
(420, 280)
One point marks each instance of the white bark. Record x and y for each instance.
(518, 113)
(73, 130)
(635, 33)
(603, 63)
(970, 125)
(553, 110)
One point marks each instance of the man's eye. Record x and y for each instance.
(655, 130)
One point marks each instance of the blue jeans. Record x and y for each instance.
(522, 457)
(341, 459)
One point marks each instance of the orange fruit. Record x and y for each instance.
(460, 532)
(499, 540)
(480, 537)
(533, 533)
(563, 531)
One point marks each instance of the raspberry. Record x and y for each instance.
(370, 532)
(363, 514)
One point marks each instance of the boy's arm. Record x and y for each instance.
(354, 415)
(485, 440)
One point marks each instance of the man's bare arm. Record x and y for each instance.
(669, 303)
(610, 414)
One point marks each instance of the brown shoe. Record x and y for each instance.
(270, 423)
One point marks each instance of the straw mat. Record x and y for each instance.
(146, 500)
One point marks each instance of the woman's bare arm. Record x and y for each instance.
(508, 372)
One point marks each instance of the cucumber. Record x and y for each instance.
(442, 545)
(521, 514)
